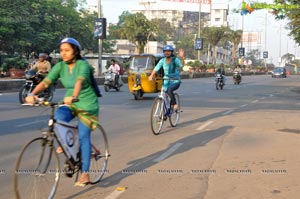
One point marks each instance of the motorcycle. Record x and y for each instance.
(33, 78)
(237, 78)
(109, 82)
(219, 79)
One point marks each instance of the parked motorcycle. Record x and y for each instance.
(237, 78)
(33, 78)
(219, 79)
(110, 83)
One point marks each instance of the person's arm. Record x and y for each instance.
(181, 56)
(33, 95)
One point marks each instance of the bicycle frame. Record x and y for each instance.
(163, 95)
(52, 128)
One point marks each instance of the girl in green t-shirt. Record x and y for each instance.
(74, 74)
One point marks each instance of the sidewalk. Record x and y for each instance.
(260, 160)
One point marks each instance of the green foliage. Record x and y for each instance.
(138, 29)
(34, 25)
(14, 62)
(214, 36)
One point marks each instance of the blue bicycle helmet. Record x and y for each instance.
(168, 47)
(71, 41)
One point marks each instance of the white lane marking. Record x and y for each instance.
(254, 101)
(30, 123)
(115, 194)
(204, 125)
(168, 152)
(263, 98)
(244, 105)
(227, 112)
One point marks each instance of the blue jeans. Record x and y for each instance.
(64, 113)
(171, 88)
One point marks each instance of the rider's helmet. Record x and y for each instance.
(168, 48)
(71, 41)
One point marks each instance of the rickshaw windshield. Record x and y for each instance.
(139, 63)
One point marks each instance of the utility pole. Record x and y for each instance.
(199, 27)
(99, 42)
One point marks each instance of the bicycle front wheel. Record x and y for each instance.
(36, 172)
(174, 117)
(156, 116)
(99, 155)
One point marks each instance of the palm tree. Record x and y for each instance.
(214, 36)
(288, 57)
(235, 38)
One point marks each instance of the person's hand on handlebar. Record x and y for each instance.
(31, 99)
(68, 100)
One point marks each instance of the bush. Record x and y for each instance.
(14, 62)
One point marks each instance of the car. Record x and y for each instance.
(279, 72)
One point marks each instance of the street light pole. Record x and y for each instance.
(199, 27)
(99, 43)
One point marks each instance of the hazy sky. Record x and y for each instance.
(255, 21)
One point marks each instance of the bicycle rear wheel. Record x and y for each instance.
(175, 115)
(99, 156)
(156, 116)
(36, 174)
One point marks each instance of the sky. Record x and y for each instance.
(260, 21)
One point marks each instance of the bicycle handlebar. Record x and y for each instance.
(42, 101)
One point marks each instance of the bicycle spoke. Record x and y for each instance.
(156, 116)
(175, 114)
(99, 155)
(36, 171)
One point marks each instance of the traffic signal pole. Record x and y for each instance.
(99, 43)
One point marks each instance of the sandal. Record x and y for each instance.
(83, 180)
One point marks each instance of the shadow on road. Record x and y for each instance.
(141, 164)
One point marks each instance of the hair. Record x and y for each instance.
(76, 51)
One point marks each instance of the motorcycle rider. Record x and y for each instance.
(221, 70)
(170, 64)
(115, 68)
(238, 69)
(42, 65)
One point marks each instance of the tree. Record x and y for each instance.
(187, 43)
(288, 57)
(235, 38)
(165, 31)
(40, 25)
(138, 29)
(214, 36)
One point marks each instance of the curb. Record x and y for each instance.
(14, 85)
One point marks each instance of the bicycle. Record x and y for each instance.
(39, 177)
(161, 110)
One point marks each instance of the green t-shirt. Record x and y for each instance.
(88, 101)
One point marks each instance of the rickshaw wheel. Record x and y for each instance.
(138, 94)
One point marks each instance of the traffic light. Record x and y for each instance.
(100, 28)
(265, 54)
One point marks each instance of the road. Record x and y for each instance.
(240, 142)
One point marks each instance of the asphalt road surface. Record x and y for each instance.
(240, 142)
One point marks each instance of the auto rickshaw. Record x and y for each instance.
(140, 69)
